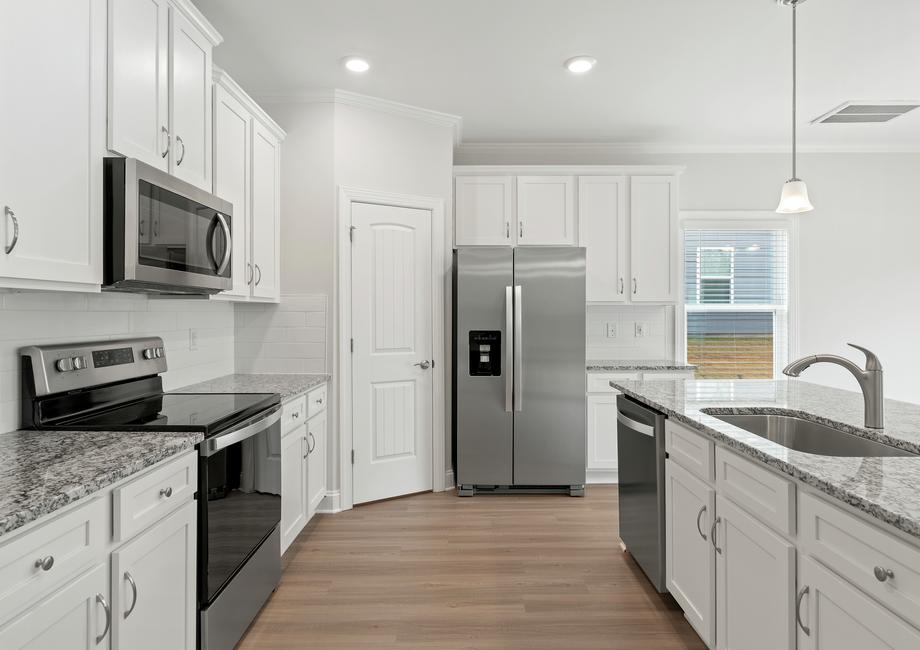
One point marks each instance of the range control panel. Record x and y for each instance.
(485, 353)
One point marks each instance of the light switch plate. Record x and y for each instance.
(611, 330)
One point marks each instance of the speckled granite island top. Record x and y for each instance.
(885, 488)
(610, 365)
(43, 471)
(285, 385)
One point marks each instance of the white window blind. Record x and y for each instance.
(736, 289)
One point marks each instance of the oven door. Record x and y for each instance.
(239, 498)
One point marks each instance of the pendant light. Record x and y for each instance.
(794, 198)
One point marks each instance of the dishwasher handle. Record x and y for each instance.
(638, 427)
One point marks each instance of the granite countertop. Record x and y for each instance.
(885, 488)
(43, 471)
(287, 386)
(626, 365)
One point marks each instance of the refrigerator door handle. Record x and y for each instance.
(509, 351)
(518, 352)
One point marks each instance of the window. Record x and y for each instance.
(736, 288)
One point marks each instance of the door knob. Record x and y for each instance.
(424, 365)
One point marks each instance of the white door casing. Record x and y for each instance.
(391, 328)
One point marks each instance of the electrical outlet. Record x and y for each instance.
(611, 330)
(192, 340)
(641, 330)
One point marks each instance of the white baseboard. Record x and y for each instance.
(331, 503)
(601, 476)
(448, 480)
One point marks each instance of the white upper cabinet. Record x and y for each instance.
(484, 211)
(653, 238)
(52, 129)
(266, 214)
(545, 210)
(602, 220)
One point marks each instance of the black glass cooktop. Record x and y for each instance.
(206, 412)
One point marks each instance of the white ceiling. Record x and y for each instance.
(682, 73)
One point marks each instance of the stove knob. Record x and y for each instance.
(79, 363)
(158, 352)
(64, 365)
(148, 354)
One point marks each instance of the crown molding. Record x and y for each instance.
(194, 16)
(348, 98)
(225, 81)
(665, 148)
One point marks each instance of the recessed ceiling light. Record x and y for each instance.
(356, 64)
(580, 64)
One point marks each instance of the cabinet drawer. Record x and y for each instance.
(762, 493)
(854, 548)
(293, 414)
(692, 451)
(600, 382)
(316, 401)
(154, 495)
(66, 545)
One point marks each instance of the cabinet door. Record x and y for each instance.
(755, 583)
(293, 485)
(690, 557)
(317, 446)
(232, 124)
(190, 96)
(153, 585)
(52, 130)
(602, 231)
(602, 437)
(484, 211)
(266, 188)
(70, 619)
(653, 238)
(545, 210)
(838, 616)
(138, 85)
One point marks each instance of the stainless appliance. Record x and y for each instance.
(161, 234)
(116, 386)
(519, 368)
(640, 462)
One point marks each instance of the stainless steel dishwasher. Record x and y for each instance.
(640, 455)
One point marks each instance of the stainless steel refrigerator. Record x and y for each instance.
(519, 369)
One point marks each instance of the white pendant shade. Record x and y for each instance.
(794, 198)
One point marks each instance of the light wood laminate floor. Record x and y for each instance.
(442, 572)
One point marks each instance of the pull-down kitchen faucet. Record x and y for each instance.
(870, 380)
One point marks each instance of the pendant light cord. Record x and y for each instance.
(794, 6)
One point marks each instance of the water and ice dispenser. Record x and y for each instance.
(485, 353)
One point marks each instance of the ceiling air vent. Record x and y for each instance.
(866, 112)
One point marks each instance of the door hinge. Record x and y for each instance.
(352, 345)
(352, 456)
(351, 233)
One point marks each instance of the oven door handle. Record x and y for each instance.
(260, 423)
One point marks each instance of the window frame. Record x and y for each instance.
(740, 220)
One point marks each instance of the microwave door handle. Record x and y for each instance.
(228, 244)
(211, 446)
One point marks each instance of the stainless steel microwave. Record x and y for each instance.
(163, 235)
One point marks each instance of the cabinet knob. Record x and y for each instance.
(319, 400)
(45, 563)
(882, 574)
(295, 414)
(166, 492)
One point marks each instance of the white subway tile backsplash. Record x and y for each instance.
(282, 338)
(656, 344)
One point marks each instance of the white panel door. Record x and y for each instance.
(52, 140)
(316, 441)
(294, 479)
(484, 212)
(602, 231)
(545, 210)
(138, 85)
(72, 618)
(265, 229)
(391, 327)
(190, 85)
(153, 585)
(232, 124)
(838, 616)
(690, 557)
(602, 434)
(755, 583)
(653, 237)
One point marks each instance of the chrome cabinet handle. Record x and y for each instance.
(310, 447)
(45, 563)
(250, 272)
(635, 286)
(108, 617)
(307, 452)
(259, 279)
(181, 155)
(165, 132)
(156, 227)
(882, 574)
(424, 365)
(12, 215)
(712, 534)
(507, 230)
(798, 610)
(699, 516)
(521, 229)
(621, 286)
(133, 584)
(166, 492)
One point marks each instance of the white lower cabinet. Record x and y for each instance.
(601, 434)
(76, 617)
(153, 586)
(690, 557)
(835, 615)
(316, 439)
(294, 478)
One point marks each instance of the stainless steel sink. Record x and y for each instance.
(808, 436)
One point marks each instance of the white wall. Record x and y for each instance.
(47, 318)
(859, 262)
